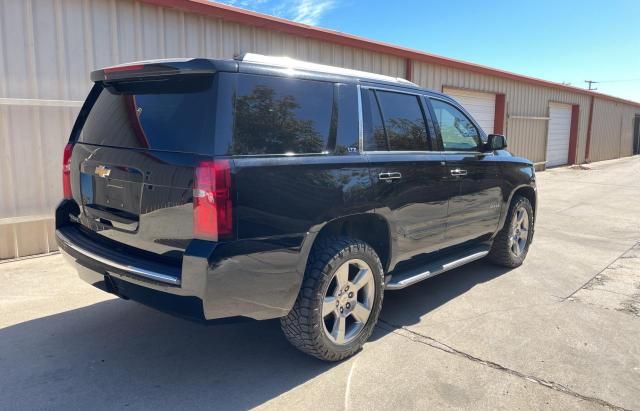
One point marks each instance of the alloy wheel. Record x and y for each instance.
(348, 301)
(519, 232)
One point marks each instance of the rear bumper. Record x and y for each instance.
(189, 307)
(123, 265)
(257, 279)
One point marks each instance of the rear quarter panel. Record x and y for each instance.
(280, 204)
(292, 195)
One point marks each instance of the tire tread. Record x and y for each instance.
(500, 254)
(300, 326)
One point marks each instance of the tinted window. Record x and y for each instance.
(172, 115)
(403, 121)
(457, 131)
(375, 138)
(282, 115)
(347, 140)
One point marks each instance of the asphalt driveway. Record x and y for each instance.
(562, 331)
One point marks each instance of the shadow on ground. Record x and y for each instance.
(118, 353)
(405, 307)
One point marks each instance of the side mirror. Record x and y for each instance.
(496, 142)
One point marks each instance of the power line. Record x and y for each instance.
(619, 81)
(591, 83)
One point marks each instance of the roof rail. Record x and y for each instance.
(288, 62)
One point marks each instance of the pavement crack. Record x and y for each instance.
(601, 271)
(426, 340)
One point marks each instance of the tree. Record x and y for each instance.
(267, 124)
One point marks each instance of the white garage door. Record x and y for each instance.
(482, 106)
(559, 131)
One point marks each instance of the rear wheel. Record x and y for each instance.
(511, 245)
(339, 302)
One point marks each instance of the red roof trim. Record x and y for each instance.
(587, 147)
(251, 18)
(498, 117)
(573, 133)
(408, 66)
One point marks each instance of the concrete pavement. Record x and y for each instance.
(544, 335)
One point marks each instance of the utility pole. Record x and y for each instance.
(591, 83)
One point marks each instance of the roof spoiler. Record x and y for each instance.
(154, 68)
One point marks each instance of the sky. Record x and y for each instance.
(558, 40)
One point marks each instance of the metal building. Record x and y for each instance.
(48, 48)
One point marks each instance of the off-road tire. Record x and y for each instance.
(500, 253)
(303, 326)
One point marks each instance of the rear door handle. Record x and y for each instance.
(458, 172)
(389, 177)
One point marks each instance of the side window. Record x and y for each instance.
(393, 121)
(375, 138)
(276, 115)
(457, 131)
(403, 121)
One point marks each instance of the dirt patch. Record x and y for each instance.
(580, 167)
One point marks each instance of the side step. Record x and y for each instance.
(410, 276)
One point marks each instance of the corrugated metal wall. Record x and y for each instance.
(74, 37)
(48, 48)
(527, 137)
(612, 130)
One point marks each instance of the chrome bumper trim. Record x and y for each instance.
(128, 268)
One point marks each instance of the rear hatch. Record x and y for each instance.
(133, 163)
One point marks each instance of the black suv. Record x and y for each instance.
(266, 187)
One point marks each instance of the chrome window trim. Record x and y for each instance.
(488, 153)
(392, 90)
(403, 152)
(446, 100)
(128, 268)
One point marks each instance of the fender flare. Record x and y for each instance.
(314, 232)
(505, 211)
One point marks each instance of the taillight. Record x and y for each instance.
(212, 205)
(124, 67)
(66, 171)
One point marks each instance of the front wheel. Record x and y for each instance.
(339, 302)
(511, 245)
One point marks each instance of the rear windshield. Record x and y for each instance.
(175, 114)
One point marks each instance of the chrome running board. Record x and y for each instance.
(409, 277)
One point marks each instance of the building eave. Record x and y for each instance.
(247, 17)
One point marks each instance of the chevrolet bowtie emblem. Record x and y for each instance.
(103, 171)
